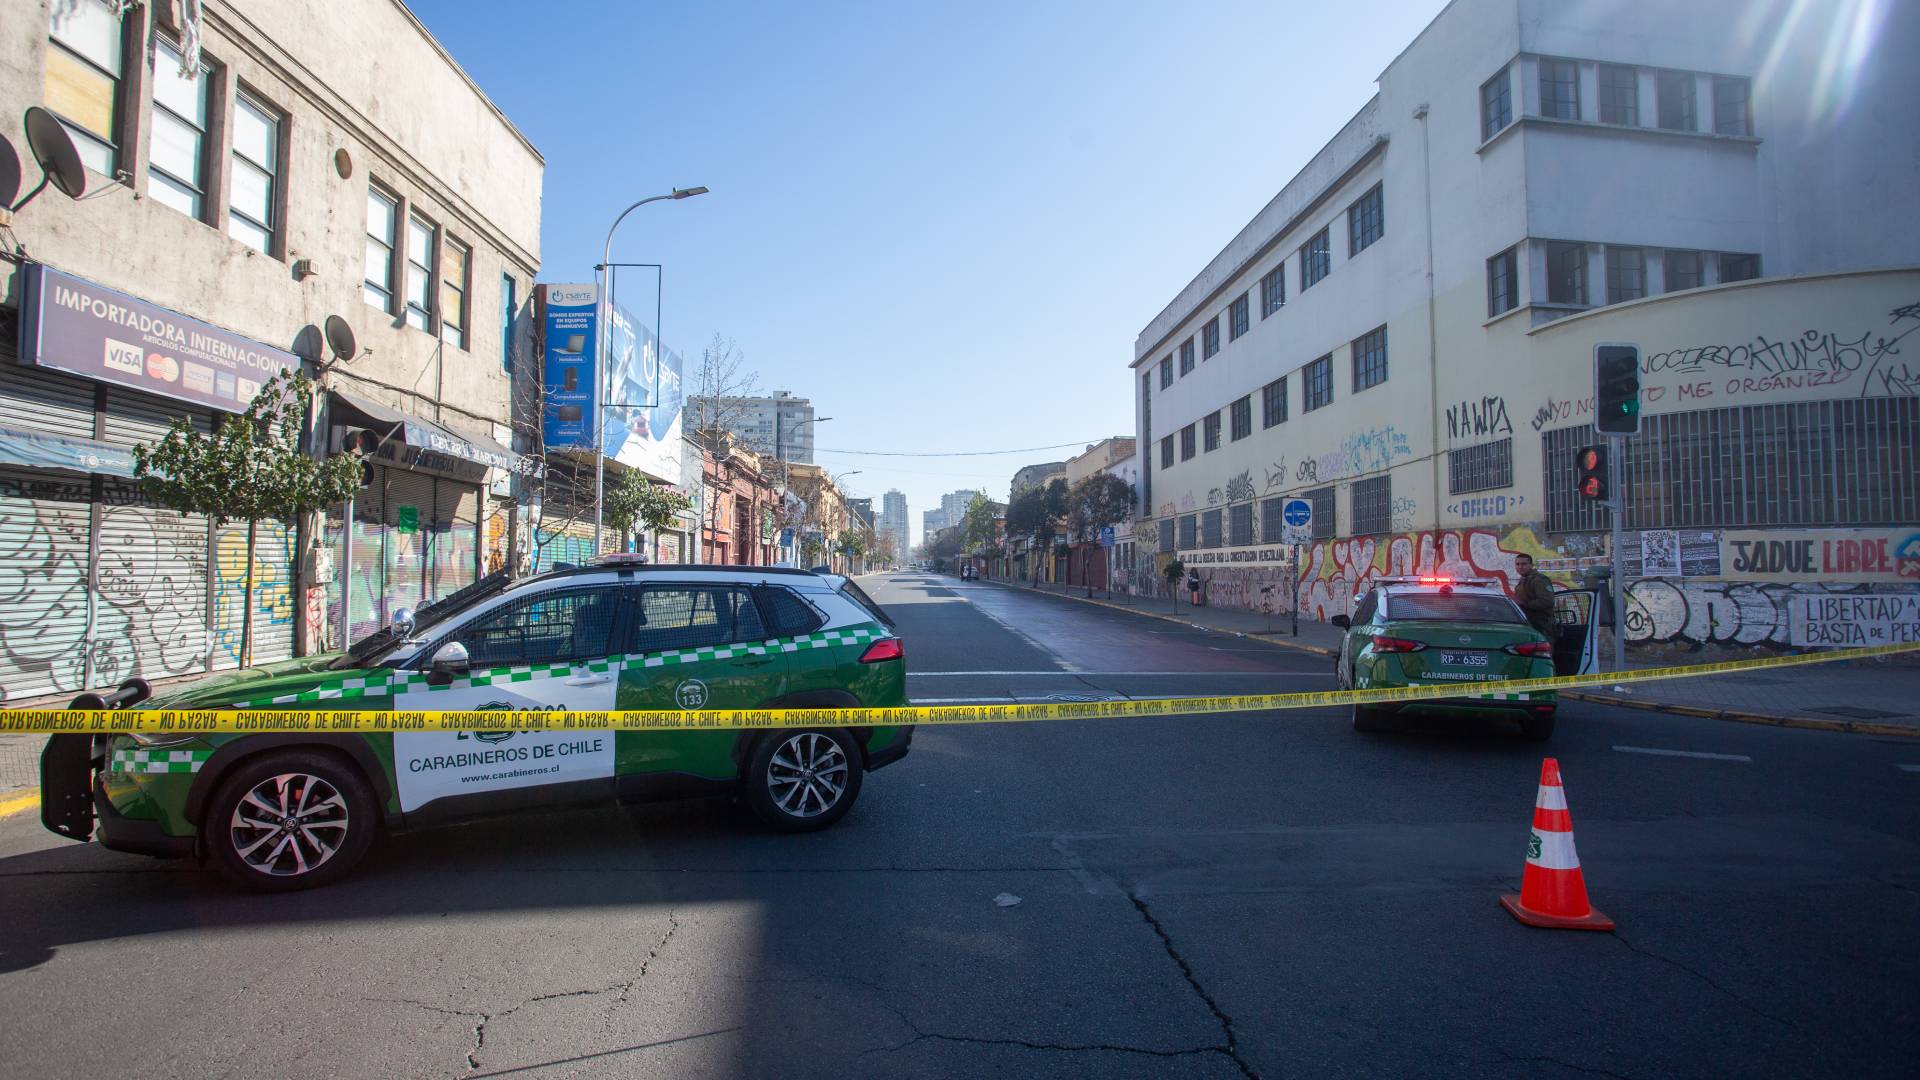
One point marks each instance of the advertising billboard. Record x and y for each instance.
(567, 347)
(644, 403)
(70, 324)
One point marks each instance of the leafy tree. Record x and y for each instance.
(1027, 514)
(853, 543)
(976, 527)
(633, 500)
(1056, 499)
(251, 468)
(1096, 502)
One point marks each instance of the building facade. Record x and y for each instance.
(778, 426)
(895, 522)
(1423, 377)
(249, 173)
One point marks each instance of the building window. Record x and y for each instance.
(1273, 403)
(1738, 267)
(1626, 274)
(1503, 283)
(1366, 220)
(83, 78)
(177, 150)
(1166, 537)
(1496, 105)
(1166, 372)
(1166, 453)
(1373, 505)
(1186, 356)
(1370, 359)
(1186, 443)
(1732, 113)
(1317, 384)
(1210, 338)
(1242, 418)
(1273, 521)
(383, 212)
(1237, 318)
(1325, 524)
(1560, 89)
(1211, 425)
(1316, 258)
(1189, 532)
(1684, 270)
(254, 177)
(1674, 89)
(1619, 95)
(509, 304)
(1240, 525)
(1487, 467)
(456, 260)
(1273, 290)
(420, 234)
(1210, 529)
(1567, 274)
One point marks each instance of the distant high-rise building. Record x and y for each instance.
(953, 505)
(894, 522)
(864, 508)
(932, 521)
(779, 427)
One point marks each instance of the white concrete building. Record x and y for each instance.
(895, 522)
(314, 160)
(778, 426)
(1403, 334)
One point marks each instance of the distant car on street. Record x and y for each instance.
(969, 573)
(1435, 631)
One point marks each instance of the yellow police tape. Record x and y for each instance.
(363, 720)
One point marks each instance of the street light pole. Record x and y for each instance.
(603, 340)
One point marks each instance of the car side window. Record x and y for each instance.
(790, 614)
(549, 628)
(1364, 613)
(694, 616)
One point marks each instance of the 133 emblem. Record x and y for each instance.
(691, 694)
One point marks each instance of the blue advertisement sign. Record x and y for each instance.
(568, 371)
(644, 404)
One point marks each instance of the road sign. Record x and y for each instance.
(786, 537)
(1297, 516)
(1106, 537)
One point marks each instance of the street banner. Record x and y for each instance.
(568, 379)
(643, 407)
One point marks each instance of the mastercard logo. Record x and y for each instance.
(162, 367)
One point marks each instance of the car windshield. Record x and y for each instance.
(1453, 607)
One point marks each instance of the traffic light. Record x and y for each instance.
(1591, 462)
(1616, 389)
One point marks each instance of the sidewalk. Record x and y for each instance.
(1870, 697)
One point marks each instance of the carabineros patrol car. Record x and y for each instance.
(285, 811)
(1435, 631)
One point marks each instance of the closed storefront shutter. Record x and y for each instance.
(151, 614)
(366, 584)
(43, 585)
(563, 540)
(409, 516)
(332, 528)
(133, 417)
(273, 602)
(455, 536)
(42, 401)
(494, 536)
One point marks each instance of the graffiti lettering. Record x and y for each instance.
(1240, 488)
(1700, 613)
(1555, 411)
(1471, 419)
(1277, 474)
(1486, 506)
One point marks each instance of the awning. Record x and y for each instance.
(355, 411)
(59, 452)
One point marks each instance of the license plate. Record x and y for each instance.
(1464, 659)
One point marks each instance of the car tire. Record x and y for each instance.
(803, 781)
(1369, 718)
(329, 835)
(1538, 728)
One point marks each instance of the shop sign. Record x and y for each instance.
(1864, 555)
(568, 370)
(71, 324)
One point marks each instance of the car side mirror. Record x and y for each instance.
(403, 622)
(1342, 622)
(448, 660)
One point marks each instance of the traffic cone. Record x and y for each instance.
(1553, 893)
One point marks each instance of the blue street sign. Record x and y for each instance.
(1297, 513)
(1106, 537)
(786, 537)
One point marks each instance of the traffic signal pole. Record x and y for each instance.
(1616, 447)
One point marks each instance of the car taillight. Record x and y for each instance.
(884, 649)
(1383, 644)
(1531, 648)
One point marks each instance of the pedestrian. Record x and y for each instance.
(1535, 595)
(1193, 587)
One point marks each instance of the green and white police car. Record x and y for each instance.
(284, 811)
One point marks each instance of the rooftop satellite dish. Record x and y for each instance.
(53, 148)
(340, 338)
(9, 173)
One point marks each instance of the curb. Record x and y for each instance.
(1175, 619)
(1804, 723)
(28, 799)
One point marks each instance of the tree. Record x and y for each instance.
(853, 543)
(632, 500)
(1096, 502)
(250, 468)
(976, 526)
(1027, 514)
(715, 411)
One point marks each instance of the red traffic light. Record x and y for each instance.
(1593, 488)
(1589, 460)
(1591, 463)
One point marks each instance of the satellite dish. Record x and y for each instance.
(9, 173)
(53, 148)
(340, 338)
(306, 344)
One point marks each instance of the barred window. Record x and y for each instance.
(550, 627)
(1166, 452)
(1273, 403)
(1186, 443)
(1316, 258)
(1273, 290)
(1210, 529)
(1189, 532)
(1370, 359)
(1240, 524)
(1373, 505)
(1210, 338)
(1242, 418)
(1325, 524)
(1317, 384)
(1487, 467)
(1212, 425)
(1366, 220)
(1852, 462)
(1166, 537)
(1272, 520)
(1237, 318)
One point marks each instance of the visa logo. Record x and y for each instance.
(122, 357)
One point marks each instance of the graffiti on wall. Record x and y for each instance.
(1240, 488)
(1486, 506)
(1475, 419)
(1698, 613)
(1869, 360)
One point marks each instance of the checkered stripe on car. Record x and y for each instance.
(1495, 695)
(158, 761)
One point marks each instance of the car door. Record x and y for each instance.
(550, 651)
(1576, 650)
(692, 646)
(1352, 637)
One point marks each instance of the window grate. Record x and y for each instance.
(1372, 505)
(1240, 525)
(1370, 359)
(1210, 529)
(1487, 467)
(1273, 403)
(1325, 525)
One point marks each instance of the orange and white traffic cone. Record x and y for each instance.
(1553, 893)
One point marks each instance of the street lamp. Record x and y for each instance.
(603, 333)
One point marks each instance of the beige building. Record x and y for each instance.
(250, 176)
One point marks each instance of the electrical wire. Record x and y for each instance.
(954, 453)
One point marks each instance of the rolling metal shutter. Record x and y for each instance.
(406, 566)
(455, 536)
(151, 614)
(273, 602)
(133, 417)
(44, 401)
(44, 596)
(366, 579)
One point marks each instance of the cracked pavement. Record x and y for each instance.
(1234, 896)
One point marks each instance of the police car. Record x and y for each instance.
(284, 811)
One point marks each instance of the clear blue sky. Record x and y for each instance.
(944, 223)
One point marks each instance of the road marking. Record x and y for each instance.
(13, 804)
(1683, 753)
(1110, 674)
(1908, 768)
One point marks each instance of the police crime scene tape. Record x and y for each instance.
(223, 721)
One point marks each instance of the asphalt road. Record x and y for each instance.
(1269, 895)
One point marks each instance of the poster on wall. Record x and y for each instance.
(567, 345)
(1660, 553)
(643, 407)
(1854, 619)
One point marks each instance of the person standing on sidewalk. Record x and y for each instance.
(1535, 596)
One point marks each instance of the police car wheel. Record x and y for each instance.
(802, 781)
(290, 819)
(1538, 727)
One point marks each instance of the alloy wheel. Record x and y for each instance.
(289, 824)
(807, 775)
